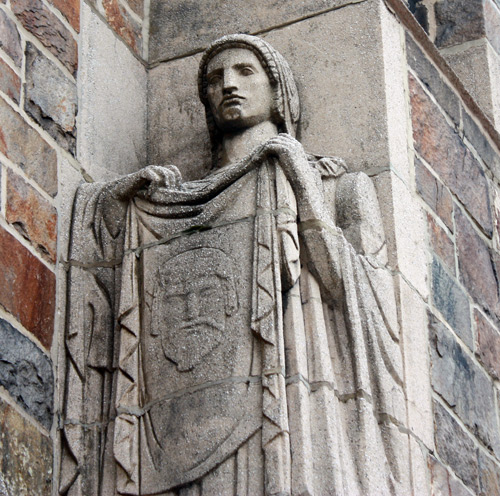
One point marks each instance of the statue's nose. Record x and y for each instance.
(230, 83)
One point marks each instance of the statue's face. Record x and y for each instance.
(239, 92)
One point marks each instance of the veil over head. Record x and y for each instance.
(286, 111)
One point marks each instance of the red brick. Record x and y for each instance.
(10, 83)
(451, 160)
(434, 193)
(123, 24)
(10, 41)
(38, 19)
(32, 215)
(69, 9)
(488, 345)
(476, 266)
(20, 143)
(27, 288)
(441, 244)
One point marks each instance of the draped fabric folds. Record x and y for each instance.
(312, 382)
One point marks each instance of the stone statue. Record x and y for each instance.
(237, 334)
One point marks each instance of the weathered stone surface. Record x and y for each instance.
(137, 6)
(435, 194)
(492, 23)
(443, 149)
(112, 137)
(50, 98)
(32, 215)
(488, 344)
(480, 142)
(441, 244)
(71, 10)
(27, 288)
(10, 41)
(463, 385)
(25, 456)
(456, 448)
(23, 145)
(439, 478)
(429, 75)
(489, 474)
(458, 21)
(38, 19)
(26, 373)
(477, 270)
(179, 27)
(10, 83)
(124, 25)
(452, 302)
(477, 66)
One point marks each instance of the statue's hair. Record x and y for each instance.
(286, 108)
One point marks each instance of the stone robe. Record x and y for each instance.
(216, 345)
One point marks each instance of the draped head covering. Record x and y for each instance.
(286, 109)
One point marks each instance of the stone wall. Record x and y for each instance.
(38, 107)
(456, 178)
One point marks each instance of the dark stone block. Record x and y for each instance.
(441, 244)
(488, 345)
(55, 111)
(26, 373)
(463, 385)
(478, 272)
(481, 144)
(455, 447)
(458, 21)
(429, 75)
(452, 302)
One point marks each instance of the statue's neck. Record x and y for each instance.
(238, 145)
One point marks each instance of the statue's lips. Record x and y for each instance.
(229, 101)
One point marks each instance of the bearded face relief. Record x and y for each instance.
(194, 297)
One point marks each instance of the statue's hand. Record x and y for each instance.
(146, 181)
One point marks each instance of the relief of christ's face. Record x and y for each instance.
(239, 92)
(191, 308)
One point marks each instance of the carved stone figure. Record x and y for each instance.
(236, 334)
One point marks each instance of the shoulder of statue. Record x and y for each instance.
(327, 166)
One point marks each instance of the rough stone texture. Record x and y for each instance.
(477, 66)
(456, 448)
(443, 149)
(124, 25)
(452, 302)
(480, 143)
(38, 19)
(112, 137)
(32, 215)
(10, 41)
(430, 76)
(443, 484)
(179, 27)
(458, 21)
(50, 98)
(435, 194)
(441, 244)
(137, 6)
(26, 373)
(488, 344)
(463, 385)
(70, 9)
(489, 475)
(23, 145)
(25, 456)
(477, 269)
(330, 82)
(492, 23)
(27, 288)
(10, 83)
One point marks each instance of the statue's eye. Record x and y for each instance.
(214, 79)
(246, 71)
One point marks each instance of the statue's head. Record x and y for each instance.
(275, 97)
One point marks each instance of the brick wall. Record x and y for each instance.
(38, 108)
(457, 180)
